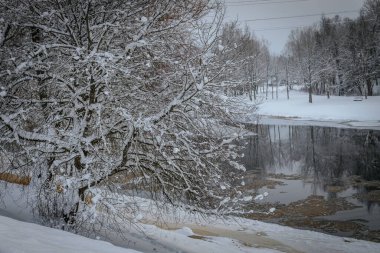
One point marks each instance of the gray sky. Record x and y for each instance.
(245, 10)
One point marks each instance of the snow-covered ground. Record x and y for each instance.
(229, 235)
(173, 230)
(21, 237)
(336, 111)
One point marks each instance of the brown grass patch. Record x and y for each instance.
(198, 237)
(15, 179)
(335, 188)
(329, 226)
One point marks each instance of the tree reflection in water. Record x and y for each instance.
(323, 155)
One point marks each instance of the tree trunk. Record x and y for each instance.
(272, 90)
(266, 93)
(250, 92)
(287, 90)
(310, 87)
(70, 218)
(310, 95)
(277, 90)
(338, 83)
(287, 79)
(328, 90)
(369, 87)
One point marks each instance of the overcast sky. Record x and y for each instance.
(276, 31)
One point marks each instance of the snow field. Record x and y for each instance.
(336, 111)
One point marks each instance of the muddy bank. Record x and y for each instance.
(247, 239)
(313, 206)
(310, 212)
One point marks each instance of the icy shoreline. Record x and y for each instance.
(369, 125)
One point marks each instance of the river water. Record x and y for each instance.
(309, 168)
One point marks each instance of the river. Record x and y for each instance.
(319, 178)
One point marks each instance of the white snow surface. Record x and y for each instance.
(168, 230)
(229, 235)
(20, 237)
(339, 111)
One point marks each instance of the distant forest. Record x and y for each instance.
(337, 56)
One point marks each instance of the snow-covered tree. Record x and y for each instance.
(302, 48)
(245, 56)
(95, 89)
(339, 55)
(329, 62)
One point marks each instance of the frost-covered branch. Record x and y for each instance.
(94, 91)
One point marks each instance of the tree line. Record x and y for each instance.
(338, 56)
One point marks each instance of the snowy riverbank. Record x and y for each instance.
(336, 111)
(229, 235)
(173, 230)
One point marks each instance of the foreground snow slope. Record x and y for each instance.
(227, 236)
(343, 110)
(168, 230)
(22, 237)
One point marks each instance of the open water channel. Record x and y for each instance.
(319, 178)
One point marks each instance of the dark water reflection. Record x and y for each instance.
(322, 158)
(326, 154)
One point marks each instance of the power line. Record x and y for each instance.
(258, 1)
(300, 16)
(250, 1)
(295, 27)
(246, 3)
(277, 28)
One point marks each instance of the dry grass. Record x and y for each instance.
(15, 179)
